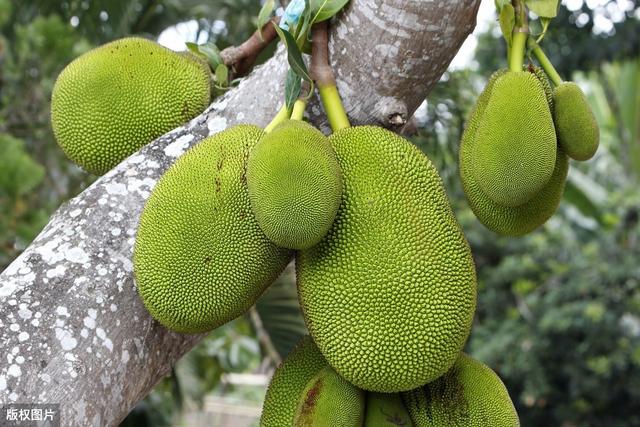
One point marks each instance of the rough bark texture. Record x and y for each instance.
(72, 328)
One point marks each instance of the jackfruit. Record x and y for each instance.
(515, 145)
(200, 258)
(544, 81)
(470, 394)
(389, 294)
(511, 221)
(114, 99)
(576, 126)
(295, 184)
(386, 410)
(330, 401)
(305, 389)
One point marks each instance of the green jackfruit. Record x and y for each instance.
(389, 294)
(576, 126)
(200, 258)
(304, 389)
(111, 101)
(386, 410)
(330, 401)
(511, 221)
(515, 145)
(295, 184)
(544, 81)
(470, 394)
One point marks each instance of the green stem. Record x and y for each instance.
(298, 109)
(333, 107)
(282, 115)
(545, 63)
(516, 55)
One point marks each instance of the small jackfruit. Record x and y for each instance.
(576, 126)
(114, 99)
(470, 394)
(386, 410)
(330, 401)
(515, 144)
(305, 389)
(389, 294)
(511, 221)
(195, 231)
(544, 81)
(295, 184)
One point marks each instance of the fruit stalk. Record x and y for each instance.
(281, 116)
(544, 61)
(322, 74)
(520, 35)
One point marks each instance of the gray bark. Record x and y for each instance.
(72, 328)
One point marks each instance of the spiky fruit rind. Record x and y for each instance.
(200, 258)
(544, 81)
(576, 126)
(389, 294)
(295, 184)
(328, 400)
(386, 410)
(511, 221)
(114, 99)
(470, 394)
(288, 383)
(515, 149)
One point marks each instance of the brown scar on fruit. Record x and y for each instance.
(311, 399)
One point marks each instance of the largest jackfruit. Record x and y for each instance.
(114, 99)
(200, 258)
(389, 294)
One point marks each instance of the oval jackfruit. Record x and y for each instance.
(328, 400)
(114, 99)
(511, 221)
(200, 258)
(295, 184)
(470, 394)
(389, 294)
(576, 126)
(515, 149)
(305, 391)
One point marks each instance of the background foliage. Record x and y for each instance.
(558, 311)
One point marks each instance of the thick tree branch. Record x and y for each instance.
(72, 328)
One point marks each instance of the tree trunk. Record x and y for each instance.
(72, 327)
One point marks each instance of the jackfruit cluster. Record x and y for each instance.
(513, 219)
(513, 160)
(200, 258)
(295, 184)
(114, 99)
(306, 391)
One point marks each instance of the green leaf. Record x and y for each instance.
(507, 20)
(574, 195)
(543, 8)
(222, 75)
(291, 89)
(325, 9)
(209, 50)
(500, 4)
(294, 55)
(265, 14)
